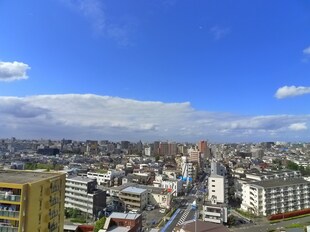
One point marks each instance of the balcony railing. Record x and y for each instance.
(8, 213)
(4, 228)
(14, 198)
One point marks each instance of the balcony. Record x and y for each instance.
(207, 213)
(78, 186)
(10, 198)
(212, 220)
(9, 214)
(7, 228)
(129, 197)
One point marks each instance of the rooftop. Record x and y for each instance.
(280, 182)
(80, 179)
(24, 177)
(129, 216)
(134, 190)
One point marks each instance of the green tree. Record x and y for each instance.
(292, 166)
(99, 224)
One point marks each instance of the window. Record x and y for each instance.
(213, 185)
(213, 191)
(213, 180)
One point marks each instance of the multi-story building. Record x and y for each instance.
(276, 196)
(163, 148)
(31, 201)
(218, 168)
(147, 151)
(82, 194)
(172, 185)
(106, 178)
(134, 198)
(218, 188)
(213, 212)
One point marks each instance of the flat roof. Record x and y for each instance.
(280, 182)
(81, 179)
(130, 216)
(24, 177)
(134, 190)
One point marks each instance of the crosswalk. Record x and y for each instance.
(184, 216)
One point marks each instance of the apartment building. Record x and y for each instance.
(213, 212)
(82, 194)
(31, 201)
(155, 196)
(270, 175)
(134, 198)
(276, 196)
(173, 186)
(218, 188)
(106, 178)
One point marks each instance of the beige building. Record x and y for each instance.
(31, 201)
(134, 198)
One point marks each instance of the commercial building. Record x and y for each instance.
(82, 194)
(134, 198)
(31, 201)
(276, 196)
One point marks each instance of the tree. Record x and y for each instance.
(292, 166)
(99, 224)
(231, 220)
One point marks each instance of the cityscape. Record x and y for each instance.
(154, 116)
(66, 185)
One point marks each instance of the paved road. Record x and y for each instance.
(263, 227)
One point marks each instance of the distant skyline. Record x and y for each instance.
(223, 71)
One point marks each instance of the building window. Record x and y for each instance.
(213, 185)
(213, 191)
(213, 180)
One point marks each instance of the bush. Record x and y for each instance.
(288, 214)
(99, 224)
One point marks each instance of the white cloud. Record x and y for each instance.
(11, 71)
(94, 12)
(291, 91)
(298, 126)
(219, 32)
(306, 51)
(89, 116)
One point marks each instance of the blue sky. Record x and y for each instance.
(217, 70)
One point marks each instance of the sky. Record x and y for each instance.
(176, 70)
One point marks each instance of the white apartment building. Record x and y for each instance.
(216, 213)
(218, 168)
(106, 178)
(187, 168)
(134, 198)
(147, 151)
(82, 194)
(218, 188)
(276, 196)
(270, 175)
(173, 186)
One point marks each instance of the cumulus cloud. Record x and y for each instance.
(11, 71)
(306, 51)
(298, 126)
(90, 116)
(291, 91)
(219, 32)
